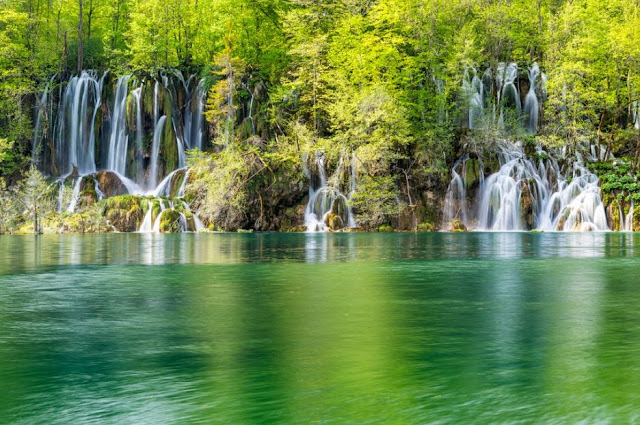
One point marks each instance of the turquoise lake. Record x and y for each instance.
(320, 328)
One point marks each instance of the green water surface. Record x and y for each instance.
(320, 328)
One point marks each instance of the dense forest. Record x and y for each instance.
(376, 99)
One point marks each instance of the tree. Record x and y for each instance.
(33, 194)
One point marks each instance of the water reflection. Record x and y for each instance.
(345, 328)
(31, 253)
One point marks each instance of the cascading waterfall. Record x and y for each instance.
(328, 208)
(486, 105)
(529, 193)
(531, 101)
(119, 140)
(194, 117)
(155, 151)
(137, 95)
(85, 125)
(74, 137)
(474, 90)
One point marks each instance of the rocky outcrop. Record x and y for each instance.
(110, 184)
(458, 226)
(527, 217)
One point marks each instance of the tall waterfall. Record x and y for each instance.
(139, 172)
(155, 150)
(105, 124)
(526, 193)
(119, 140)
(328, 208)
(531, 101)
(74, 136)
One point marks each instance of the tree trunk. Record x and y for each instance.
(80, 37)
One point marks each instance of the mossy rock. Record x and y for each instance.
(294, 229)
(191, 222)
(385, 228)
(425, 228)
(613, 216)
(170, 221)
(333, 221)
(636, 219)
(472, 173)
(176, 182)
(458, 226)
(126, 212)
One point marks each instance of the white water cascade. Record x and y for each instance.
(528, 193)
(119, 140)
(74, 136)
(531, 101)
(103, 141)
(325, 197)
(155, 152)
(137, 95)
(496, 98)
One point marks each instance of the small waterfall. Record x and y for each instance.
(194, 117)
(76, 195)
(155, 152)
(326, 199)
(455, 203)
(156, 224)
(527, 194)
(473, 88)
(510, 93)
(531, 101)
(137, 95)
(147, 225)
(627, 222)
(43, 112)
(119, 139)
(635, 114)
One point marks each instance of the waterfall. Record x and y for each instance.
(137, 95)
(531, 101)
(85, 125)
(326, 199)
(74, 136)
(529, 193)
(627, 222)
(119, 139)
(474, 90)
(43, 112)
(194, 117)
(155, 152)
(510, 93)
(147, 225)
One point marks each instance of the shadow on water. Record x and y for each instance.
(328, 328)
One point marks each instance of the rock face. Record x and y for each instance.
(110, 184)
(527, 217)
(333, 222)
(613, 216)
